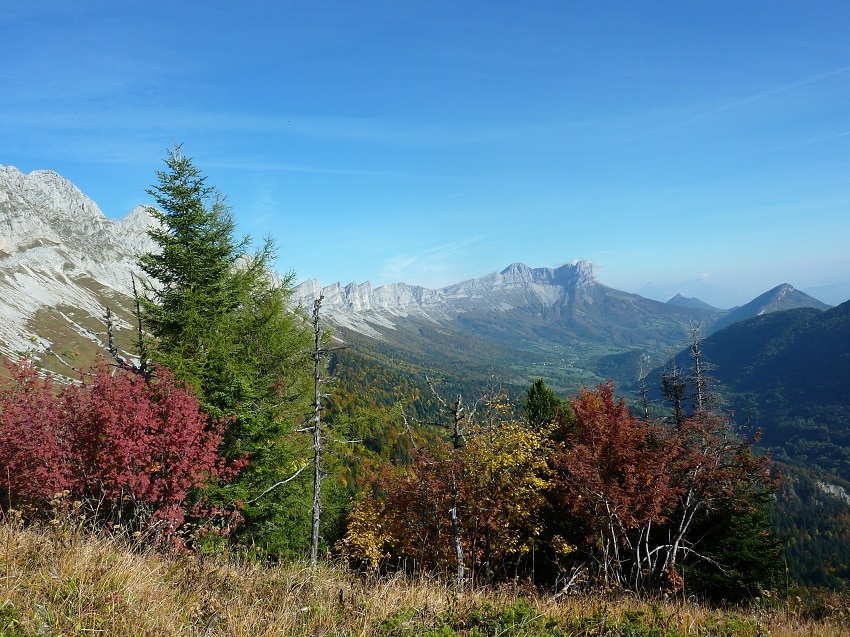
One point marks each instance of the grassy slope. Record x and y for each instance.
(58, 580)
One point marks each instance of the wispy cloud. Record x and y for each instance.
(811, 142)
(398, 267)
(130, 115)
(792, 86)
(277, 166)
(433, 267)
(702, 113)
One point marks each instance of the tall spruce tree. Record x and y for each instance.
(217, 316)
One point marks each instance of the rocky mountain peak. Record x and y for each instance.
(518, 273)
(580, 273)
(585, 273)
(57, 249)
(45, 191)
(575, 275)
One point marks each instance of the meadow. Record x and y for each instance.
(57, 578)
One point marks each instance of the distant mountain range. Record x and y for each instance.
(570, 291)
(560, 324)
(693, 302)
(62, 262)
(701, 290)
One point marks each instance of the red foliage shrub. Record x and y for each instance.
(33, 444)
(130, 448)
(612, 470)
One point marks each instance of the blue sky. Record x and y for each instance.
(432, 142)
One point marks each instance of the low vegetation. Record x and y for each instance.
(59, 579)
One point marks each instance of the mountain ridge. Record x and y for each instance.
(356, 306)
(62, 262)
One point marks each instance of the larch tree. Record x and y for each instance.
(674, 390)
(216, 315)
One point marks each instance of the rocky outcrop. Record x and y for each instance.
(57, 249)
(369, 310)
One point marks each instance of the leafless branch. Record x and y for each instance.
(281, 483)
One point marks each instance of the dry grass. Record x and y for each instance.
(59, 580)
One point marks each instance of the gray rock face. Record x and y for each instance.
(368, 310)
(58, 249)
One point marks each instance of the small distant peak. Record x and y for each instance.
(516, 269)
(517, 273)
(585, 272)
(691, 302)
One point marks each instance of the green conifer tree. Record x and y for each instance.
(216, 315)
(540, 406)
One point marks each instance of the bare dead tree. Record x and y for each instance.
(408, 429)
(704, 386)
(142, 368)
(318, 353)
(144, 361)
(643, 390)
(460, 415)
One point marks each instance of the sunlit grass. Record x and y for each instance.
(58, 579)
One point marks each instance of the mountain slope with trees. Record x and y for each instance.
(786, 374)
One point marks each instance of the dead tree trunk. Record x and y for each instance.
(318, 352)
(458, 414)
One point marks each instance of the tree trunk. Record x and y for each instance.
(317, 436)
(461, 576)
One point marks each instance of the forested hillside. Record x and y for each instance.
(785, 374)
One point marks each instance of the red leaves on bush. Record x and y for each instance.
(130, 447)
(612, 469)
(33, 444)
